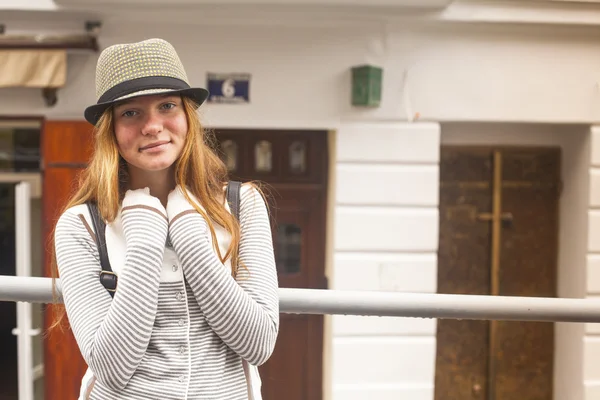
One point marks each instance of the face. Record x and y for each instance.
(150, 131)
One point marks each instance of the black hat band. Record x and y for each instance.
(140, 84)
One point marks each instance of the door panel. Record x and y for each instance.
(288, 360)
(293, 164)
(464, 259)
(66, 148)
(528, 260)
(63, 364)
(294, 370)
(67, 142)
(519, 363)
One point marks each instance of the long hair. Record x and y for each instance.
(198, 170)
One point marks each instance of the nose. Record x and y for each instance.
(153, 125)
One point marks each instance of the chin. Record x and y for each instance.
(156, 165)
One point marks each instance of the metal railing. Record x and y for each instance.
(374, 303)
(24, 290)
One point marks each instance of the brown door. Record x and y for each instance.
(294, 167)
(66, 148)
(294, 371)
(498, 236)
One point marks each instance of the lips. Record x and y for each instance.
(153, 145)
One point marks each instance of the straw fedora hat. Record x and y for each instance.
(136, 69)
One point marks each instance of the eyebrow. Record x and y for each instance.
(128, 101)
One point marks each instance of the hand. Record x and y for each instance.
(144, 218)
(142, 197)
(178, 206)
(177, 203)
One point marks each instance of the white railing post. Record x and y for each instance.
(24, 331)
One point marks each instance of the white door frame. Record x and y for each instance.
(27, 186)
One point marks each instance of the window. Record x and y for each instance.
(298, 157)
(19, 146)
(230, 154)
(263, 156)
(288, 250)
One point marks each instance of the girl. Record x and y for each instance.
(195, 308)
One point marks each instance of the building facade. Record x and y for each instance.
(467, 88)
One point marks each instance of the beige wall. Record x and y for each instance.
(385, 238)
(592, 331)
(301, 73)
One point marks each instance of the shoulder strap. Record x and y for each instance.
(107, 276)
(233, 197)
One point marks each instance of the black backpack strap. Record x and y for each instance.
(233, 197)
(107, 277)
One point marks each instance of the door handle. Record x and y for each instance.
(504, 217)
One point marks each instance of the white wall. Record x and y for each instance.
(385, 238)
(301, 75)
(592, 337)
(571, 378)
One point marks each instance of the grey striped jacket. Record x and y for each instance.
(179, 325)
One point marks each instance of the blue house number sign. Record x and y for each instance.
(228, 88)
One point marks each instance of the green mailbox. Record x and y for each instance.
(366, 85)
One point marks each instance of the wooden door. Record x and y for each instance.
(296, 178)
(463, 268)
(66, 148)
(295, 368)
(515, 256)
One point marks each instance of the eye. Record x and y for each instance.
(168, 106)
(128, 113)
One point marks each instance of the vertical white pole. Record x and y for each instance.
(23, 269)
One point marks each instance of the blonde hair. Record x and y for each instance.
(198, 170)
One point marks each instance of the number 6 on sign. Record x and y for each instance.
(228, 88)
(231, 88)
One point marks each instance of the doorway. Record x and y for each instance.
(8, 310)
(499, 213)
(19, 162)
(293, 165)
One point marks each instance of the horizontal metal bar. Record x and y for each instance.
(441, 306)
(33, 290)
(372, 303)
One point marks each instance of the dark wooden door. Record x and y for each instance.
(497, 360)
(463, 268)
(295, 368)
(293, 165)
(66, 148)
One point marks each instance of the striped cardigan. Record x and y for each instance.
(179, 325)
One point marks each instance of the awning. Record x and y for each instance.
(33, 68)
